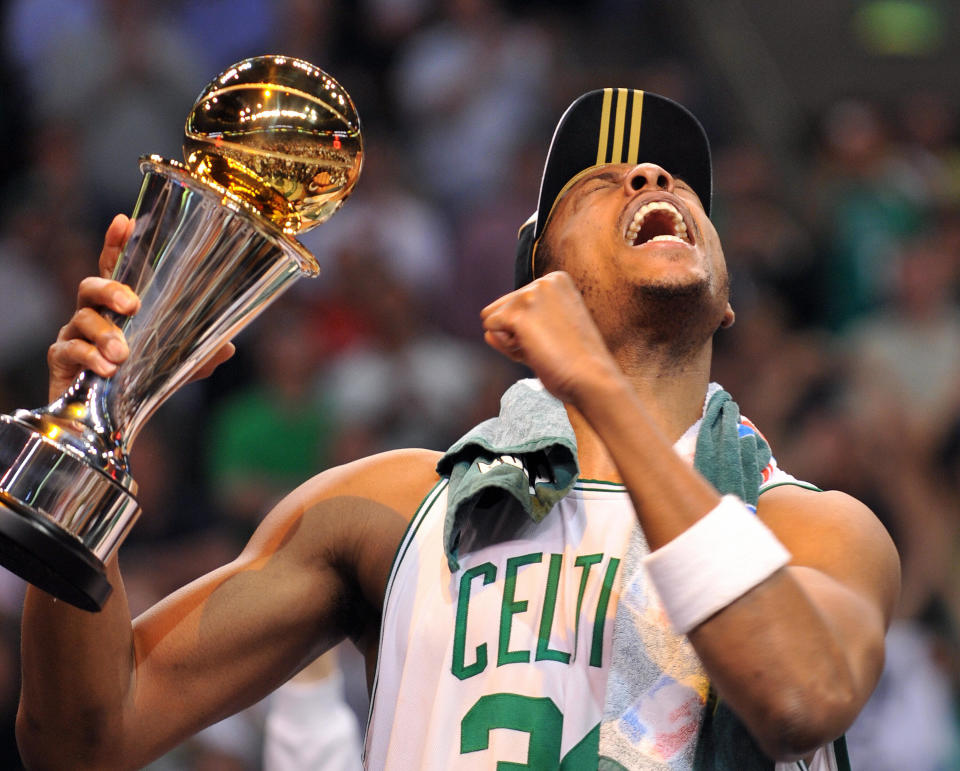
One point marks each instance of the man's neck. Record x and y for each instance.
(672, 395)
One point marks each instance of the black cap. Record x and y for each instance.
(617, 125)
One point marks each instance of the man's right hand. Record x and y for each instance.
(88, 340)
(91, 341)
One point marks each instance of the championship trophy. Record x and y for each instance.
(272, 148)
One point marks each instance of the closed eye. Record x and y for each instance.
(679, 184)
(601, 181)
(595, 188)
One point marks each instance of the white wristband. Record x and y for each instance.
(713, 562)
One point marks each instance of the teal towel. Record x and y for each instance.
(730, 455)
(528, 453)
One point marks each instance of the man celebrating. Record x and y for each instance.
(613, 573)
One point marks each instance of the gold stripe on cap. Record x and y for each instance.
(604, 126)
(634, 149)
(617, 151)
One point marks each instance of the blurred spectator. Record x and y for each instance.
(408, 384)
(34, 28)
(386, 215)
(483, 258)
(177, 537)
(222, 32)
(313, 697)
(867, 201)
(271, 435)
(909, 721)
(774, 369)
(908, 348)
(469, 89)
(31, 325)
(138, 79)
(307, 29)
(391, 21)
(769, 250)
(305, 725)
(929, 122)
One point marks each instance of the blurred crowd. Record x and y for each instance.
(844, 254)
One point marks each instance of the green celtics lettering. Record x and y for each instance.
(591, 566)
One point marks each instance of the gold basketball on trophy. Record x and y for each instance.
(272, 148)
(279, 134)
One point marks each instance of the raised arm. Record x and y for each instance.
(797, 655)
(101, 691)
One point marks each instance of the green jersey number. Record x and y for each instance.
(538, 717)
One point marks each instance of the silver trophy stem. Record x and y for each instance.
(204, 267)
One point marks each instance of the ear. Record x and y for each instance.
(728, 317)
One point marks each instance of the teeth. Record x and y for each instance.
(679, 226)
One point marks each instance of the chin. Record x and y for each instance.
(680, 313)
(683, 286)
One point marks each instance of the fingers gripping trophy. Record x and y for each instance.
(272, 148)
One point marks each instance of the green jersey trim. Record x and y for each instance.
(792, 482)
(412, 527)
(603, 486)
(841, 754)
(599, 486)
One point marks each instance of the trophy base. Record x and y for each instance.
(60, 517)
(51, 560)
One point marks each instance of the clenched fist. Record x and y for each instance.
(546, 326)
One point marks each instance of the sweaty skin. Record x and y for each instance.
(796, 657)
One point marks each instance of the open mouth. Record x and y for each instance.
(657, 221)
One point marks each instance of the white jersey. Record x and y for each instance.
(507, 659)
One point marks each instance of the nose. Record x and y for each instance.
(648, 177)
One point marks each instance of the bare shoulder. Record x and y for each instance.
(821, 521)
(398, 479)
(390, 484)
(351, 518)
(837, 534)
